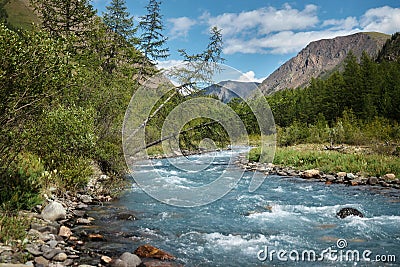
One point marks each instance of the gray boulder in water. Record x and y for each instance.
(343, 213)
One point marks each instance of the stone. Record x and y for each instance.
(389, 177)
(126, 216)
(345, 212)
(51, 253)
(158, 263)
(119, 263)
(83, 221)
(131, 260)
(33, 250)
(330, 178)
(54, 211)
(52, 243)
(341, 174)
(65, 232)
(354, 182)
(68, 262)
(328, 182)
(350, 176)
(148, 251)
(60, 257)
(106, 259)
(96, 237)
(86, 199)
(313, 173)
(41, 261)
(373, 181)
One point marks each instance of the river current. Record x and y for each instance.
(285, 222)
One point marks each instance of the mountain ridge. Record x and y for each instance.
(320, 58)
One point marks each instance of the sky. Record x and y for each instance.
(261, 35)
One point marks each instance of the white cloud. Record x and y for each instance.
(180, 26)
(250, 76)
(264, 20)
(383, 19)
(288, 30)
(166, 64)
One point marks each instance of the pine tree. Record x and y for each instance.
(152, 39)
(65, 18)
(118, 19)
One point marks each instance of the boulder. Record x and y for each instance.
(330, 178)
(148, 251)
(350, 176)
(343, 213)
(54, 211)
(119, 263)
(341, 174)
(313, 173)
(373, 181)
(131, 260)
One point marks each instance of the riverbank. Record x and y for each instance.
(58, 233)
(348, 165)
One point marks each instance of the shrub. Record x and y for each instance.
(23, 183)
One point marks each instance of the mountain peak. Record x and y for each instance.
(320, 58)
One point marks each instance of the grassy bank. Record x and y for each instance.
(351, 159)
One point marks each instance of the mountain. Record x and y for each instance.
(20, 14)
(320, 58)
(226, 90)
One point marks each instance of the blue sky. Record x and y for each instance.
(261, 35)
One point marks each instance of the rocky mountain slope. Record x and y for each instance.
(320, 58)
(226, 90)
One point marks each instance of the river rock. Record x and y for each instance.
(33, 250)
(41, 261)
(106, 259)
(131, 260)
(330, 178)
(389, 177)
(60, 257)
(51, 253)
(350, 176)
(119, 263)
(341, 174)
(65, 231)
(148, 251)
(343, 213)
(313, 173)
(54, 211)
(86, 199)
(83, 221)
(373, 181)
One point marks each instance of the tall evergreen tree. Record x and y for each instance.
(65, 18)
(152, 39)
(118, 19)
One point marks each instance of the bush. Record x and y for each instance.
(12, 228)
(22, 185)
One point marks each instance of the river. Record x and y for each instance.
(284, 222)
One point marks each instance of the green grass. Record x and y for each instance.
(333, 161)
(20, 14)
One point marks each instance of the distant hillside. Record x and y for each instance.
(320, 58)
(226, 90)
(20, 14)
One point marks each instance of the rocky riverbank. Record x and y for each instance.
(387, 181)
(60, 230)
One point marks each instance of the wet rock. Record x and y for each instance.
(95, 237)
(384, 184)
(106, 259)
(60, 257)
(354, 182)
(343, 213)
(157, 263)
(65, 232)
(126, 216)
(83, 221)
(79, 213)
(330, 178)
(373, 181)
(313, 173)
(41, 261)
(148, 251)
(131, 260)
(51, 253)
(54, 211)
